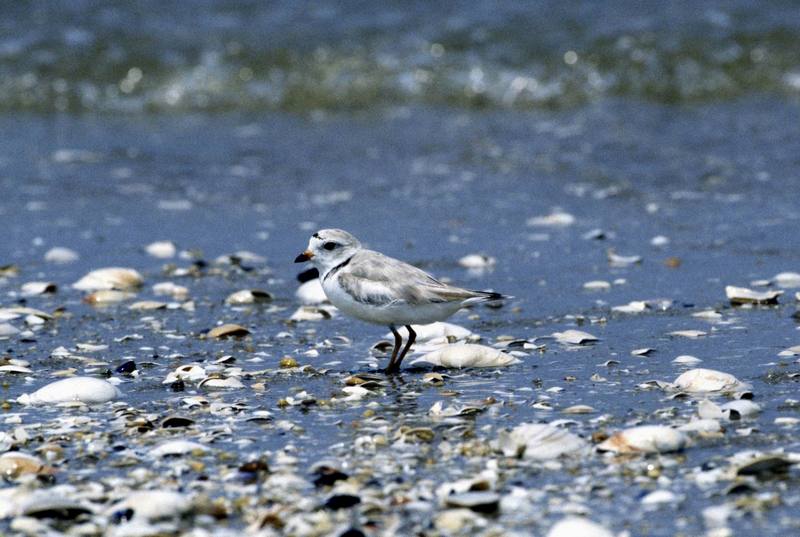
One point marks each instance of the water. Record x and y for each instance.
(700, 146)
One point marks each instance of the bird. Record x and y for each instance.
(379, 289)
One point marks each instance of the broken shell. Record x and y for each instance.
(742, 295)
(15, 463)
(248, 296)
(38, 288)
(477, 261)
(467, 355)
(645, 439)
(539, 441)
(574, 337)
(110, 278)
(616, 260)
(61, 255)
(708, 381)
(161, 249)
(228, 330)
(87, 390)
(311, 293)
(578, 527)
(108, 296)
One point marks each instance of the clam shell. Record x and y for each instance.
(477, 261)
(178, 447)
(438, 330)
(7, 330)
(645, 439)
(686, 359)
(311, 293)
(15, 463)
(38, 288)
(574, 337)
(228, 330)
(311, 313)
(221, 383)
(178, 292)
(539, 441)
(578, 527)
(61, 255)
(161, 249)
(87, 390)
(248, 296)
(110, 278)
(701, 380)
(148, 305)
(742, 295)
(467, 355)
(787, 279)
(154, 504)
(107, 296)
(189, 372)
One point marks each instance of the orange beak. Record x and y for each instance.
(305, 256)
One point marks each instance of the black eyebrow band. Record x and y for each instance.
(315, 235)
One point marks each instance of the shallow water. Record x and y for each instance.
(428, 185)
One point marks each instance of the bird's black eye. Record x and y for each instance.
(330, 245)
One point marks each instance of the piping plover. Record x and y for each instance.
(379, 289)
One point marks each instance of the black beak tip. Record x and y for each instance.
(302, 258)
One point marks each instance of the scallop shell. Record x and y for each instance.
(701, 380)
(539, 441)
(645, 439)
(87, 390)
(467, 355)
(110, 278)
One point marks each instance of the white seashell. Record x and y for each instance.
(185, 372)
(787, 279)
(708, 315)
(7, 330)
(161, 249)
(178, 447)
(178, 292)
(744, 407)
(241, 257)
(91, 347)
(659, 240)
(25, 502)
(660, 497)
(312, 313)
(311, 293)
(616, 260)
(641, 352)
(742, 295)
(467, 355)
(148, 305)
(637, 306)
(61, 255)
(110, 278)
(597, 285)
(15, 369)
(708, 410)
(691, 334)
(701, 426)
(107, 296)
(87, 390)
(797, 296)
(539, 441)
(574, 337)
(477, 261)
(578, 527)
(37, 288)
(708, 381)
(248, 296)
(437, 330)
(222, 383)
(791, 351)
(645, 439)
(686, 359)
(556, 218)
(154, 504)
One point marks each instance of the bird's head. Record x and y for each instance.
(328, 248)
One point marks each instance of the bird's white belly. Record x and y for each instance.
(397, 314)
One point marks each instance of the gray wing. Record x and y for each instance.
(376, 279)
